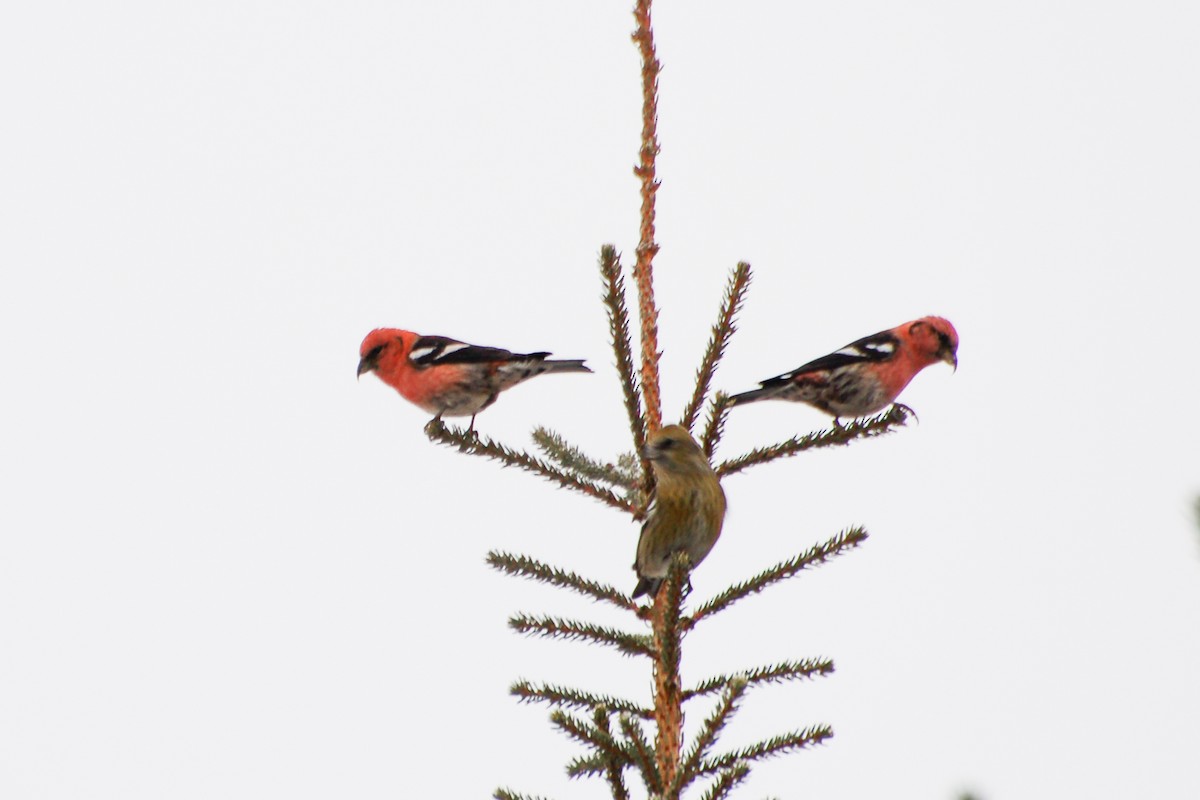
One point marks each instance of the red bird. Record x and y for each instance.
(864, 376)
(447, 377)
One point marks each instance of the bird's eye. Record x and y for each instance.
(666, 444)
(374, 352)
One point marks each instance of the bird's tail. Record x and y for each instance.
(748, 397)
(647, 586)
(574, 365)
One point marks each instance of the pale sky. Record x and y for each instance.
(227, 569)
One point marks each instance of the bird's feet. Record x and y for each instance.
(907, 411)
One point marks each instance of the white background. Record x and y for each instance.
(229, 570)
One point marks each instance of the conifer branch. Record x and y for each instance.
(574, 698)
(643, 755)
(726, 780)
(476, 445)
(714, 427)
(618, 327)
(609, 749)
(552, 628)
(725, 327)
(570, 457)
(643, 272)
(588, 717)
(709, 732)
(614, 769)
(526, 567)
(588, 766)
(815, 556)
(505, 794)
(776, 745)
(866, 428)
(776, 673)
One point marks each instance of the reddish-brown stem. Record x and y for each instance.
(668, 689)
(643, 273)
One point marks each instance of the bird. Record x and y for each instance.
(447, 377)
(865, 376)
(688, 509)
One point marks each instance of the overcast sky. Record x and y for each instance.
(227, 569)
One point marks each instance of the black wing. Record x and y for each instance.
(876, 347)
(430, 350)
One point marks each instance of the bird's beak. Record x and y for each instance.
(951, 358)
(367, 364)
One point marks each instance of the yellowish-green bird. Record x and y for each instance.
(688, 508)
